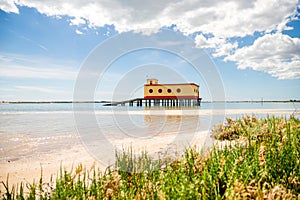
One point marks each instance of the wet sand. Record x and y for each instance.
(28, 169)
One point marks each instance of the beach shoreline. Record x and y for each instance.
(28, 169)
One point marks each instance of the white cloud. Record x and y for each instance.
(43, 47)
(225, 49)
(9, 6)
(221, 20)
(221, 46)
(276, 54)
(35, 72)
(77, 21)
(203, 42)
(78, 32)
(38, 89)
(20, 66)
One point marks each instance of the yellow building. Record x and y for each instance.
(154, 90)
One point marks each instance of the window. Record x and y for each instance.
(169, 90)
(150, 90)
(159, 90)
(178, 90)
(150, 82)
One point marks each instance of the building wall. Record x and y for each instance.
(171, 91)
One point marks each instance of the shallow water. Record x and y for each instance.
(30, 129)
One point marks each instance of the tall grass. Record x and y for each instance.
(264, 163)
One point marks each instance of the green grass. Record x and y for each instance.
(264, 163)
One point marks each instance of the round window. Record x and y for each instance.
(169, 90)
(178, 90)
(150, 90)
(160, 90)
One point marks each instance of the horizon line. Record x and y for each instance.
(106, 101)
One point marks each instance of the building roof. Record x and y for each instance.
(171, 84)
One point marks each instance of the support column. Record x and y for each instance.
(198, 102)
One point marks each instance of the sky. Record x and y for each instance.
(254, 47)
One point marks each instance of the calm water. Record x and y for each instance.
(30, 129)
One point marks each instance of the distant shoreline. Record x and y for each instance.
(254, 101)
(58, 102)
(50, 102)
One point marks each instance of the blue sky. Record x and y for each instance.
(44, 45)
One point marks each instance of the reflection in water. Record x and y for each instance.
(172, 124)
(176, 132)
(147, 126)
(172, 107)
(154, 133)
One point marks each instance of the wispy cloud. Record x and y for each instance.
(34, 42)
(43, 47)
(34, 92)
(78, 32)
(38, 89)
(32, 72)
(20, 66)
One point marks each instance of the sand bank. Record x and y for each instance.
(28, 170)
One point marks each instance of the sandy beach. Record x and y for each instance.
(28, 169)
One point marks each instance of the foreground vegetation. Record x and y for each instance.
(260, 159)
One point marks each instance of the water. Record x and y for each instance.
(256, 105)
(30, 129)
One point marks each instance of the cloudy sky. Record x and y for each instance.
(255, 45)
